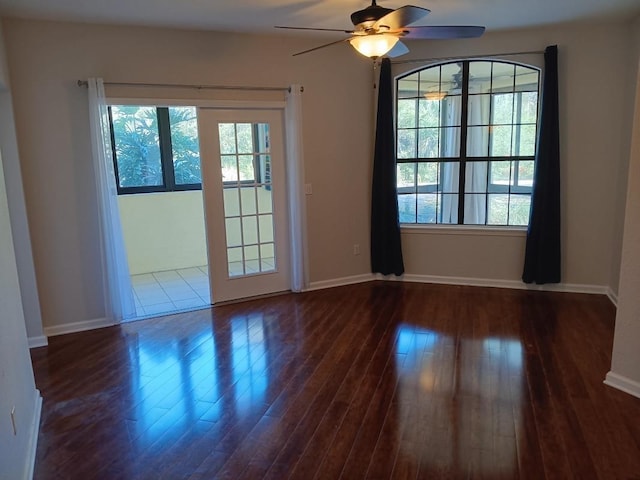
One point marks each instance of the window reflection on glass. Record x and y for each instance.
(485, 376)
(249, 361)
(248, 202)
(173, 389)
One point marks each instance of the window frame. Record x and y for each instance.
(166, 155)
(513, 186)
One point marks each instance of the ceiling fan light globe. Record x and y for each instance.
(373, 46)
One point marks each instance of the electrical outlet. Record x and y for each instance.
(356, 249)
(13, 420)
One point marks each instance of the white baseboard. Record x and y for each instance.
(77, 327)
(338, 282)
(40, 341)
(623, 383)
(496, 283)
(33, 438)
(613, 296)
(465, 281)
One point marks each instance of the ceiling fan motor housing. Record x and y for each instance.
(369, 15)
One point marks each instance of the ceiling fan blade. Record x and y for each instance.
(401, 17)
(443, 32)
(321, 46)
(398, 49)
(317, 29)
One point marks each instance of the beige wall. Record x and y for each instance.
(625, 365)
(17, 207)
(47, 58)
(17, 386)
(163, 231)
(594, 122)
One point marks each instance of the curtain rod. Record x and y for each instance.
(506, 54)
(83, 83)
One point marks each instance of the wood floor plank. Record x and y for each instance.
(376, 380)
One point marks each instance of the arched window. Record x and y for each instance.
(466, 139)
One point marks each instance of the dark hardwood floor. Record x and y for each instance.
(377, 380)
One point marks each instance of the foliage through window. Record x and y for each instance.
(466, 140)
(155, 149)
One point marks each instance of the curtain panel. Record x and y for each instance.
(118, 293)
(386, 248)
(542, 263)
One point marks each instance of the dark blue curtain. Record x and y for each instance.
(542, 255)
(386, 250)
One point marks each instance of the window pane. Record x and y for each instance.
(519, 206)
(429, 113)
(428, 143)
(525, 173)
(251, 256)
(229, 168)
(245, 138)
(267, 260)
(231, 202)
(184, 145)
(502, 77)
(263, 169)
(525, 140)
(248, 200)
(498, 209)
(430, 82)
(427, 207)
(479, 77)
(137, 146)
(234, 254)
(451, 78)
(478, 141)
(502, 109)
(407, 208)
(448, 208)
(227, 134)
(526, 79)
(406, 143)
(408, 86)
(475, 205)
(265, 223)
(475, 177)
(479, 109)
(528, 107)
(233, 231)
(262, 144)
(407, 113)
(428, 175)
(449, 176)
(406, 175)
(500, 175)
(245, 166)
(450, 142)
(250, 230)
(451, 111)
(501, 141)
(264, 200)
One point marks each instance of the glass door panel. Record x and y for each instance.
(243, 169)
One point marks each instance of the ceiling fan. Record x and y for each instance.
(378, 30)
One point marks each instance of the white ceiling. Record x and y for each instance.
(261, 15)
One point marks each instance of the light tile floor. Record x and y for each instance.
(160, 293)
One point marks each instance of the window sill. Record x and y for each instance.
(464, 230)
